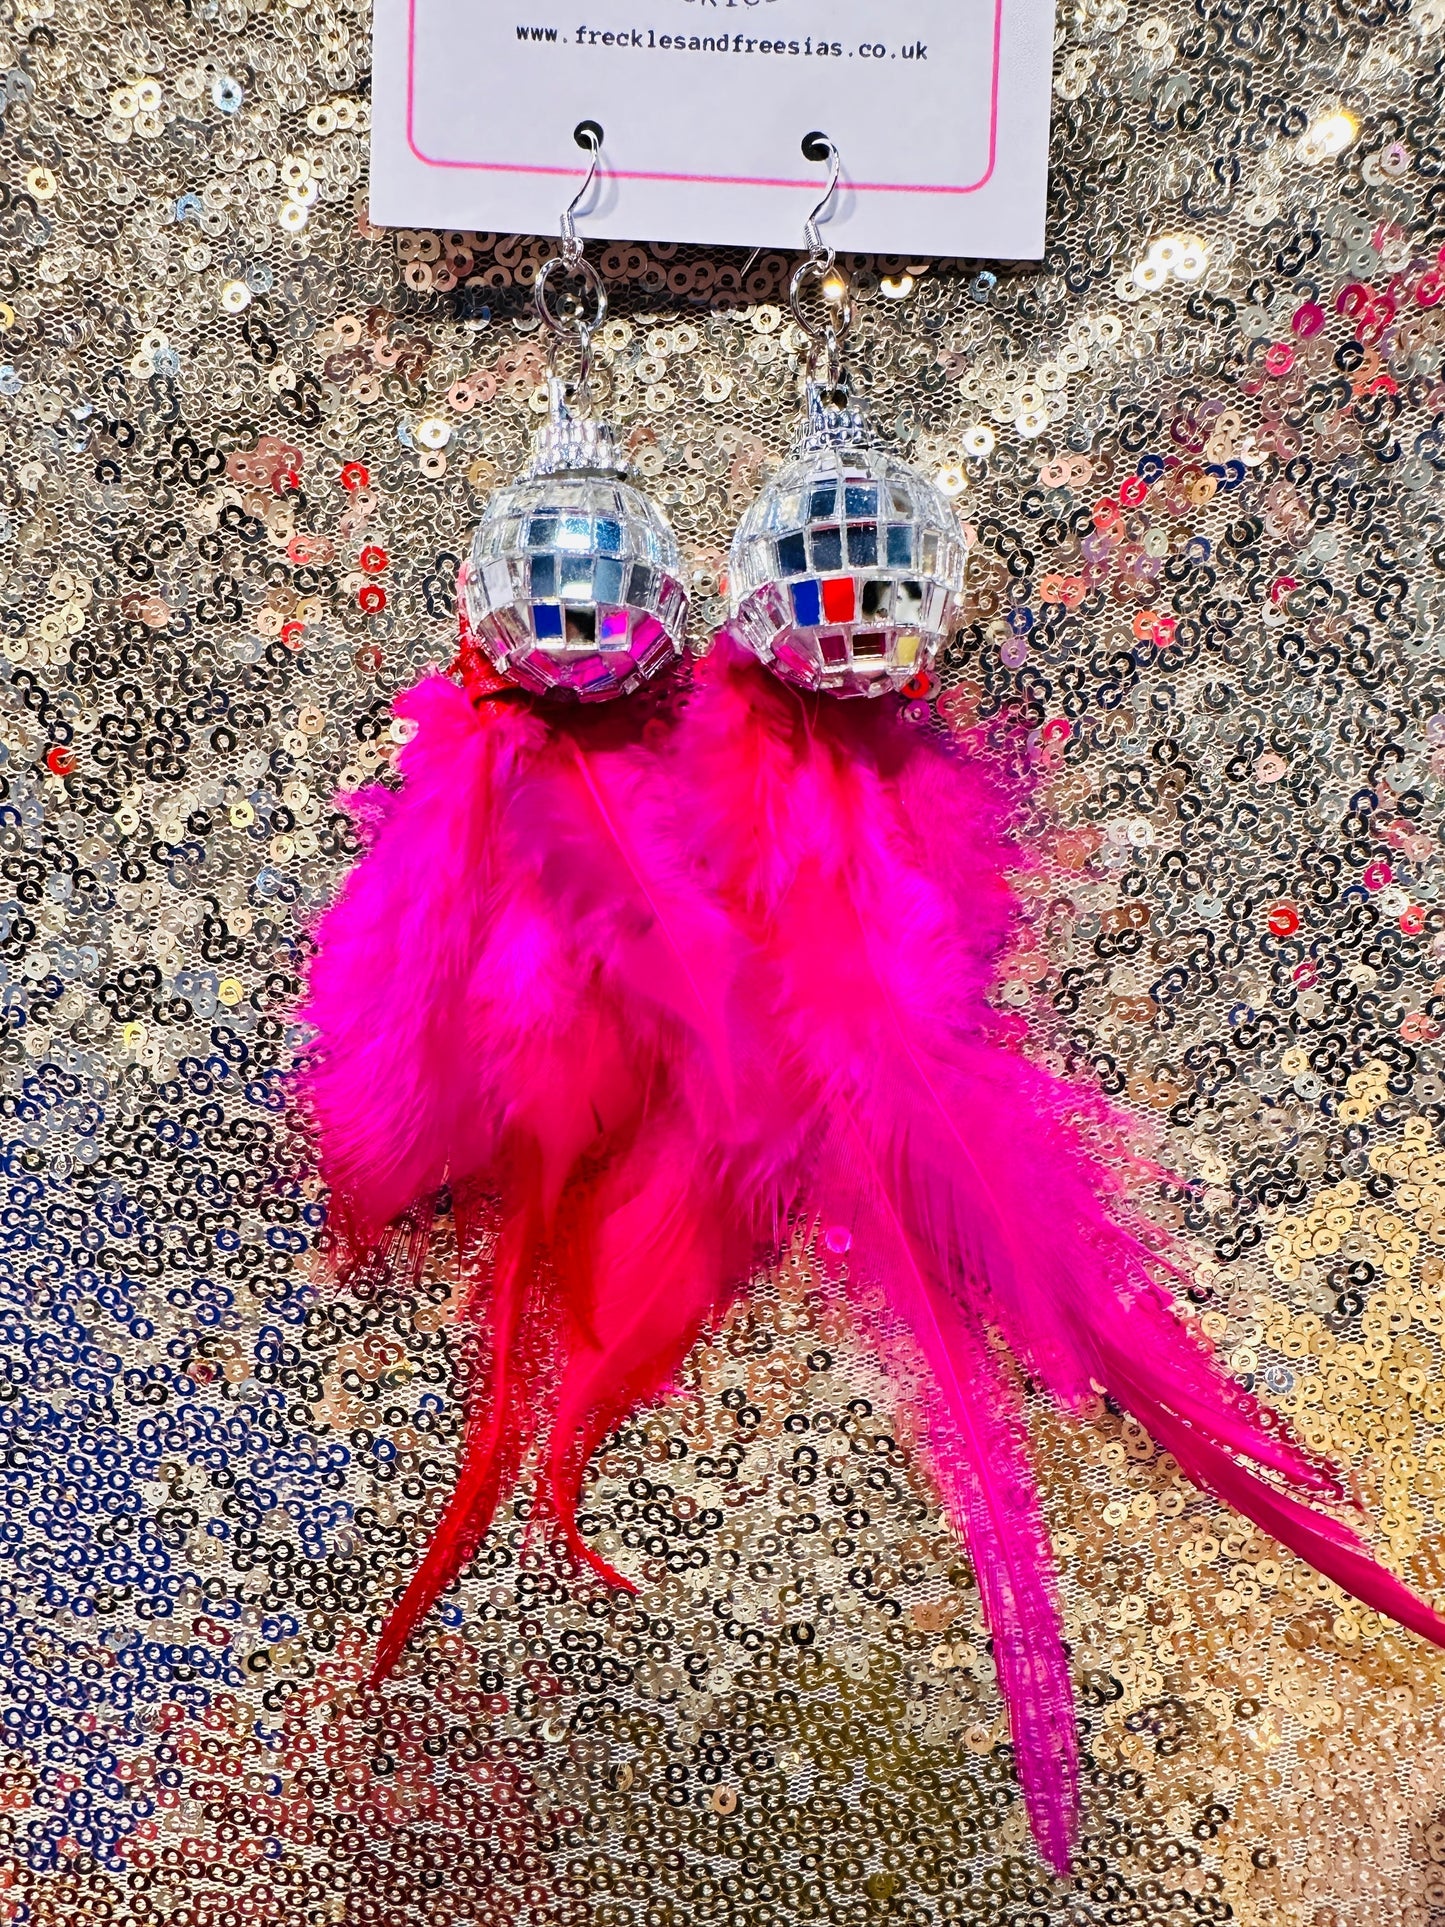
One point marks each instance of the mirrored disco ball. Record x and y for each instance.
(572, 587)
(846, 572)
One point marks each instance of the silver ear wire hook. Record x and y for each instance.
(815, 146)
(589, 135)
(572, 265)
(820, 266)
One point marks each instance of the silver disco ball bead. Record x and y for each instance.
(572, 586)
(846, 573)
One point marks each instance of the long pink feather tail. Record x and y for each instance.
(979, 1455)
(1035, 1254)
(866, 864)
(1322, 1542)
(501, 1425)
(977, 1438)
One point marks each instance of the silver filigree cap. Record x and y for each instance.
(569, 444)
(833, 419)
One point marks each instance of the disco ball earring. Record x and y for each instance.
(964, 1189)
(573, 585)
(845, 574)
(514, 1000)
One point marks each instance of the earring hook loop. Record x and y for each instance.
(589, 135)
(572, 265)
(819, 267)
(817, 147)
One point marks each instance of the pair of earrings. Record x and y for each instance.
(844, 575)
(639, 1002)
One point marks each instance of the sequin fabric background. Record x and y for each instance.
(245, 437)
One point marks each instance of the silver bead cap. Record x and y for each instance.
(569, 444)
(834, 420)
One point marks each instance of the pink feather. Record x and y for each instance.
(501, 1422)
(976, 1436)
(522, 993)
(865, 863)
(664, 1247)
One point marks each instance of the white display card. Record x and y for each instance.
(939, 109)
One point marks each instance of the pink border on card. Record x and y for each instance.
(707, 180)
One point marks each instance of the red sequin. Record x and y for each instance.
(1283, 920)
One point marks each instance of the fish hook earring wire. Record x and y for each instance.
(572, 265)
(820, 267)
(816, 147)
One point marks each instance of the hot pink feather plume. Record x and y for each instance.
(866, 865)
(521, 996)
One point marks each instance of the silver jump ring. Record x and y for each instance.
(829, 338)
(579, 269)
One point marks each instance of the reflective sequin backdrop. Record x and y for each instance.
(1200, 453)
